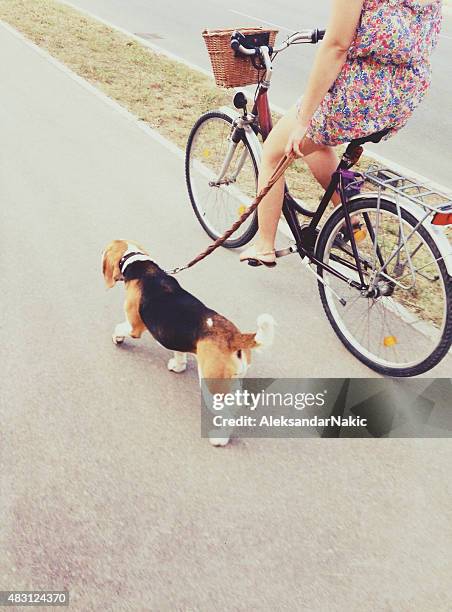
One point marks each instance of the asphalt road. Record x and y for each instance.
(423, 146)
(106, 487)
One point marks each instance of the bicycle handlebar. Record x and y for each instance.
(304, 36)
(236, 46)
(320, 35)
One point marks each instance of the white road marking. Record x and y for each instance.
(281, 27)
(273, 25)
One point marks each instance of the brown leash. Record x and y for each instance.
(280, 169)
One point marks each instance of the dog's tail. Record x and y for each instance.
(265, 330)
(262, 338)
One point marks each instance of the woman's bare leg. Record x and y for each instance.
(322, 162)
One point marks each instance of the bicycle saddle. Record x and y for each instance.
(375, 137)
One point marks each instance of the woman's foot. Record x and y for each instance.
(255, 256)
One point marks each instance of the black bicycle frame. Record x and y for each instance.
(305, 237)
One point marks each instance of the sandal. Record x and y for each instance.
(259, 259)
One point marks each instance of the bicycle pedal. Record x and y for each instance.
(287, 251)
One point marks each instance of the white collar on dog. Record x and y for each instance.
(130, 257)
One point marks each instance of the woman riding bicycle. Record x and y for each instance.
(370, 73)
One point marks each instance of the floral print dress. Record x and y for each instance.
(386, 74)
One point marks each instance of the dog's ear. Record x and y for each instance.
(110, 262)
(110, 271)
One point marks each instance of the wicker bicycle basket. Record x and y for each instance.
(229, 69)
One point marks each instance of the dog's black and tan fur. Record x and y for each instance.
(176, 319)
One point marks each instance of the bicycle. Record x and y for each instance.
(388, 294)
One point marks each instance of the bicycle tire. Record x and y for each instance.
(239, 239)
(443, 347)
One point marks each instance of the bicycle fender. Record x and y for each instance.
(437, 233)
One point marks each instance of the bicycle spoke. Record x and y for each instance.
(220, 203)
(398, 322)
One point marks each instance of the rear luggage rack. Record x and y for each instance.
(420, 194)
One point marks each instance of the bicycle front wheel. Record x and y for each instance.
(221, 178)
(400, 323)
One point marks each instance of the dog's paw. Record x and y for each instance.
(117, 339)
(176, 366)
(219, 441)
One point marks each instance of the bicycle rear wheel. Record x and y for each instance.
(402, 324)
(219, 203)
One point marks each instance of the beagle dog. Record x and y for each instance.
(179, 321)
